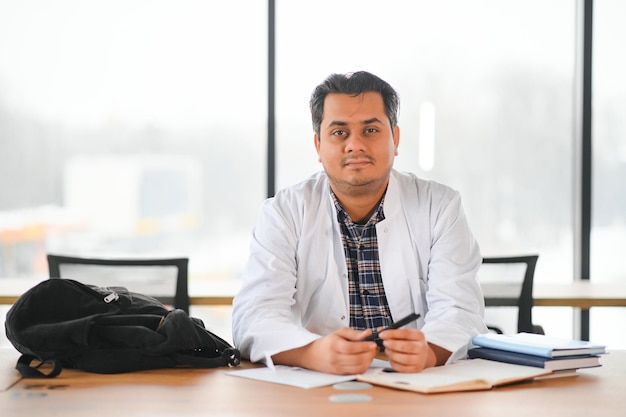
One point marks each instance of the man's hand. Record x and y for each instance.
(341, 352)
(408, 350)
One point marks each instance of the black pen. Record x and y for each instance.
(406, 320)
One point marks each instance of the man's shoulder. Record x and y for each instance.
(408, 181)
(300, 202)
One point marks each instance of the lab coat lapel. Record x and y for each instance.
(396, 255)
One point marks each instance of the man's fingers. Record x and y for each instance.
(353, 335)
(402, 334)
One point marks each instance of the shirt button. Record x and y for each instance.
(365, 292)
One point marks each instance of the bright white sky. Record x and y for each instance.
(141, 61)
(136, 60)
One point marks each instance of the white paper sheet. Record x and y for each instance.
(299, 377)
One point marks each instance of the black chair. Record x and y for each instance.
(164, 279)
(511, 285)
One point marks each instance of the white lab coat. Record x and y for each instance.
(295, 284)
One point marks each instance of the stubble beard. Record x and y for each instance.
(359, 187)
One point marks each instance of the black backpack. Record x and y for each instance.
(107, 330)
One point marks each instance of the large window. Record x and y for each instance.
(138, 127)
(486, 92)
(131, 128)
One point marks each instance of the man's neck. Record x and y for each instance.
(359, 207)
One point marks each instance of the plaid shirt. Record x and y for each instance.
(369, 308)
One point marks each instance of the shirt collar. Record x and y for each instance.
(344, 217)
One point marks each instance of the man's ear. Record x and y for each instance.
(316, 142)
(396, 139)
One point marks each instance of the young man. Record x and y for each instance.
(357, 247)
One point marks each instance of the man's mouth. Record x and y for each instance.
(357, 162)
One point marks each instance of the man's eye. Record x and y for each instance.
(371, 130)
(339, 133)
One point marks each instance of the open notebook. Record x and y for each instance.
(466, 375)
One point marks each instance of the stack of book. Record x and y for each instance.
(561, 356)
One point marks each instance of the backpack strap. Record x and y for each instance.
(24, 366)
(228, 357)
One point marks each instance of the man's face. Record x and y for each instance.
(356, 145)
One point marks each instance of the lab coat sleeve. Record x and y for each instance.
(265, 316)
(454, 297)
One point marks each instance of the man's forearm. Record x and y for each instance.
(292, 357)
(437, 355)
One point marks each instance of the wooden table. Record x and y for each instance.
(179, 392)
(218, 292)
(580, 294)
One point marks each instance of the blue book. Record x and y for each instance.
(538, 345)
(551, 364)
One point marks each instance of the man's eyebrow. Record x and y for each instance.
(337, 123)
(372, 120)
(364, 122)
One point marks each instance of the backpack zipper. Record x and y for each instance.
(113, 296)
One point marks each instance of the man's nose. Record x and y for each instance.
(355, 143)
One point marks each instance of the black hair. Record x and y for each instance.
(355, 84)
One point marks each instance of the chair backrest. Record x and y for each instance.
(164, 279)
(508, 282)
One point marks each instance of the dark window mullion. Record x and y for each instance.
(271, 98)
(586, 158)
